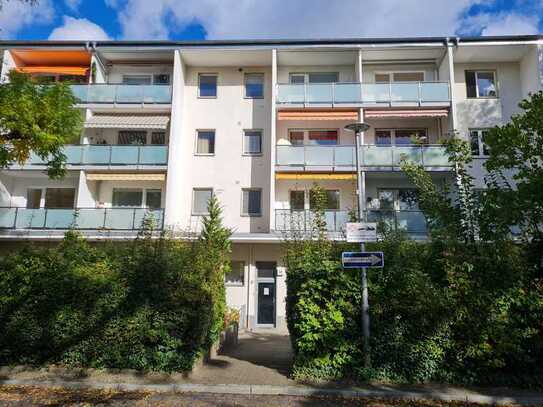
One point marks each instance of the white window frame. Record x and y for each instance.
(261, 74)
(251, 215)
(245, 153)
(216, 75)
(391, 76)
(194, 189)
(494, 73)
(480, 142)
(214, 143)
(237, 284)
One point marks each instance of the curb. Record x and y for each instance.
(300, 391)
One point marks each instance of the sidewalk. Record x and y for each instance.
(259, 365)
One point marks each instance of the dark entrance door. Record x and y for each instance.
(266, 303)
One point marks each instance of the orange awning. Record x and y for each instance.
(56, 70)
(413, 113)
(318, 115)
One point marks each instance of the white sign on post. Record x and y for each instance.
(361, 232)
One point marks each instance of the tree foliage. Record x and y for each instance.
(39, 119)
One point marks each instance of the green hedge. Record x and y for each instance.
(439, 312)
(147, 305)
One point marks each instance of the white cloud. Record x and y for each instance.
(73, 4)
(512, 24)
(226, 19)
(15, 16)
(78, 29)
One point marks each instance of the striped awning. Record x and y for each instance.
(314, 176)
(125, 177)
(412, 113)
(124, 121)
(350, 115)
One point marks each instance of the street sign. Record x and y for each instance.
(356, 260)
(360, 232)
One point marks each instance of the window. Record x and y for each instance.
(205, 143)
(323, 137)
(200, 198)
(132, 137)
(153, 198)
(399, 137)
(297, 200)
(481, 84)
(296, 137)
(59, 197)
(207, 85)
(236, 274)
(314, 77)
(158, 138)
(477, 142)
(251, 202)
(33, 198)
(266, 269)
(252, 142)
(399, 77)
(332, 200)
(126, 197)
(398, 199)
(136, 79)
(161, 79)
(254, 85)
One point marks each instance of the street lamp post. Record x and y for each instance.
(358, 129)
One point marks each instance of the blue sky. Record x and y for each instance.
(228, 19)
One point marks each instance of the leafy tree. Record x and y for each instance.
(516, 149)
(37, 118)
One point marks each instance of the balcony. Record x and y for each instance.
(373, 158)
(110, 155)
(127, 219)
(339, 94)
(122, 94)
(411, 221)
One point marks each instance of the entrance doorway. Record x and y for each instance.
(266, 293)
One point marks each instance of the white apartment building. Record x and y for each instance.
(257, 123)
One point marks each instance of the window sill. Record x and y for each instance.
(207, 97)
(253, 97)
(204, 154)
(252, 154)
(247, 215)
(234, 284)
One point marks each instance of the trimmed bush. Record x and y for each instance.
(152, 304)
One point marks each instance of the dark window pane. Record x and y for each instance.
(405, 137)
(158, 138)
(59, 197)
(251, 202)
(471, 84)
(297, 199)
(408, 199)
(236, 274)
(485, 147)
(332, 200)
(324, 77)
(133, 137)
(383, 138)
(474, 142)
(296, 138)
(153, 198)
(252, 142)
(161, 79)
(33, 198)
(208, 85)
(127, 197)
(297, 78)
(265, 269)
(323, 137)
(485, 84)
(206, 142)
(254, 85)
(137, 79)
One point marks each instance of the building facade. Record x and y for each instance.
(257, 123)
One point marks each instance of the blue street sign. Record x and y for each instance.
(356, 260)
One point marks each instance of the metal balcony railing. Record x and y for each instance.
(80, 218)
(412, 221)
(90, 154)
(419, 93)
(371, 156)
(122, 94)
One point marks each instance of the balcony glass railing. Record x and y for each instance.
(115, 93)
(392, 156)
(89, 154)
(364, 93)
(411, 221)
(332, 156)
(79, 219)
(371, 156)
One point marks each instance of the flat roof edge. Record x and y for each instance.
(270, 42)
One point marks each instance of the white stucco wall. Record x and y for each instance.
(529, 72)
